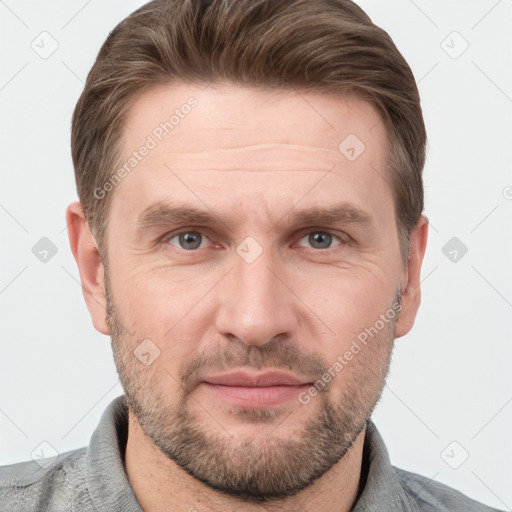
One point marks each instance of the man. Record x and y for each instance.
(250, 234)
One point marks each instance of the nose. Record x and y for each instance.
(256, 304)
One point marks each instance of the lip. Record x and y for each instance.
(252, 391)
(244, 379)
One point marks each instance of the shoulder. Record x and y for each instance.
(434, 496)
(47, 484)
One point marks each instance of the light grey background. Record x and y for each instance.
(450, 379)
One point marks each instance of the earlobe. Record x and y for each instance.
(90, 266)
(411, 292)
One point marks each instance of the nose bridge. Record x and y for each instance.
(255, 282)
(256, 306)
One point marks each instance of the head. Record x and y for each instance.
(250, 184)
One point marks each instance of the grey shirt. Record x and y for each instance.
(93, 478)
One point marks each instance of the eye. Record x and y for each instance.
(320, 239)
(188, 240)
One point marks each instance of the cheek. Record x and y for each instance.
(349, 305)
(150, 294)
(346, 300)
(167, 308)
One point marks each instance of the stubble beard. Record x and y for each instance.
(258, 468)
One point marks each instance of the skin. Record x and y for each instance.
(253, 158)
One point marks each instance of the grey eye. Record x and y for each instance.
(320, 240)
(189, 240)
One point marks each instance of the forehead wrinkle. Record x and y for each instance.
(250, 145)
(263, 148)
(253, 160)
(250, 170)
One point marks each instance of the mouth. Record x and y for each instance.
(242, 389)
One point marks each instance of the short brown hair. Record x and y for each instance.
(328, 46)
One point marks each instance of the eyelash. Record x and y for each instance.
(167, 238)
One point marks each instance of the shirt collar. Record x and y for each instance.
(106, 478)
(382, 491)
(110, 489)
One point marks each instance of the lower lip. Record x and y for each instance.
(255, 397)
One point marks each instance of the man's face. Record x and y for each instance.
(260, 286)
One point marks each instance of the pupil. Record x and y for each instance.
(320, 240)
(190, 240)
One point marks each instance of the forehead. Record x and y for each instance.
(252, 142)
(220, 113)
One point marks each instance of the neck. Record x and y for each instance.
(160, 484)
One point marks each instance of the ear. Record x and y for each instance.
(89, 263)
(411, 291)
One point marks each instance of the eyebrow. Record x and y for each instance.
(343, 212)
(162, 213)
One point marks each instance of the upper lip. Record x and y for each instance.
(242, 378)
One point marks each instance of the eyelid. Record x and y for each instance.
(341, 236)
(169, 236)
